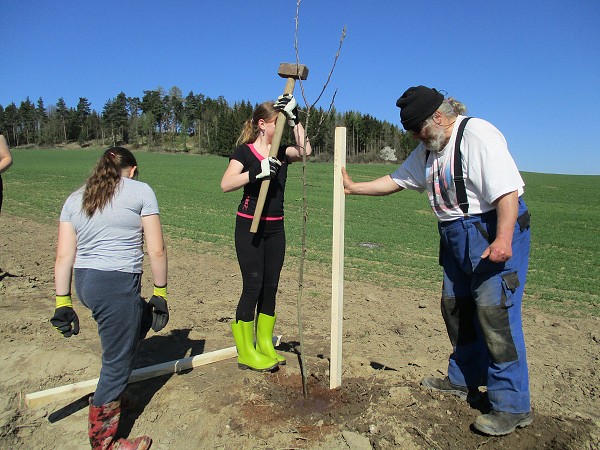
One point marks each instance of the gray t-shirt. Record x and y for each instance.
(112, 239)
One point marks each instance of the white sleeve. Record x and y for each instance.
(411, 173)
(490, 166)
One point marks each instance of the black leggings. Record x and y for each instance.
(260, 256)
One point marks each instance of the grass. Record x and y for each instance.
(390, 240)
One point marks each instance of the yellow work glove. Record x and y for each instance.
(160, 311)
(65, 318)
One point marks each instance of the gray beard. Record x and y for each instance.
(437, 141)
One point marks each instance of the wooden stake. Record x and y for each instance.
(85, 387)
(337, 272)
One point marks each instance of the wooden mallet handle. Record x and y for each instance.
(292, 72)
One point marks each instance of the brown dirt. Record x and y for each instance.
(392, 338)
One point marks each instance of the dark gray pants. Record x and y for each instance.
(123, 319)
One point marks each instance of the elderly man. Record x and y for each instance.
(474, 189)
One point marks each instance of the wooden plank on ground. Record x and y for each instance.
(337, 271)
(84, 387)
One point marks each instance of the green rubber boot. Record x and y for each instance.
(264, 337)
(248, 357)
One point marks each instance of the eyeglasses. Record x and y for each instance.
(417, 129)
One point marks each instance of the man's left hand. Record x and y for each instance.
(499, 251)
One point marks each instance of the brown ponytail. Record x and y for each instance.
(101, 185)
(250, 131)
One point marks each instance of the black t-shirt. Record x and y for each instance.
(250, 158)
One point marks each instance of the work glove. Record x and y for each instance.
(65, 318)
(268, 169)
(287, 104)
(160, 311)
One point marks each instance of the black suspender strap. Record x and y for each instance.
(459, 179)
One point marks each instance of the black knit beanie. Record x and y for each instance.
(417, 104)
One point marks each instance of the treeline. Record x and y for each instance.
(195, 123)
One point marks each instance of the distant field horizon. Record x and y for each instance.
(391, 240)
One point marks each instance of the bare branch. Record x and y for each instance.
(323, 115)
(337, 55)
(309, 108)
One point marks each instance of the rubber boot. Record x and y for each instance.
(248, 357)
(102, 429)
(264, 337)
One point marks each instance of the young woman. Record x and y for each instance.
(261, 254)
(103, 226)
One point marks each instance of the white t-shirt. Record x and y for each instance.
(112, 239)
(488, 168)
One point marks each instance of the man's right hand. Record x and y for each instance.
(347, 181)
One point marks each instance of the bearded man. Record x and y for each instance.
(475, 191)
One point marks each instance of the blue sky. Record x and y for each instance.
(532, 68)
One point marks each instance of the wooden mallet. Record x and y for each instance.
(292, 72)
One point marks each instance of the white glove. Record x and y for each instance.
(268, 169)
(287, 104)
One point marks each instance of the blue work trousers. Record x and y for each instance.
(123, 319)
(481, 306)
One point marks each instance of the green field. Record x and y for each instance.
(390, 240)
